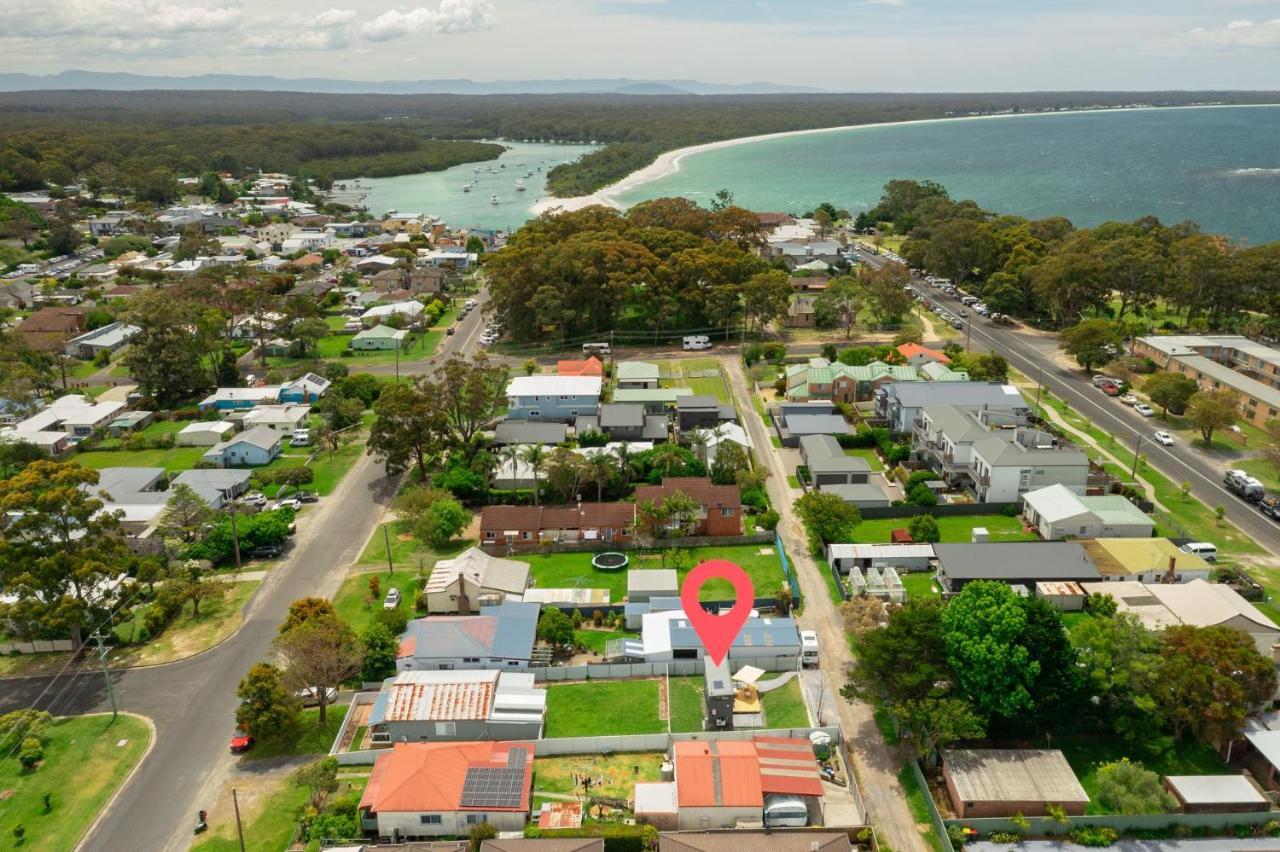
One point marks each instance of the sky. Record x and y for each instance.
(836, 45)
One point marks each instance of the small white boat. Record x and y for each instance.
(493, 200)
(520, 185)
(466, 187)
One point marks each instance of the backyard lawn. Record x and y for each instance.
(617, 772)
(173, 460)
(355, 605)
(86, 759)
(603, 708)
(311, 737)
(595, 640)
(685, 697)
(953, 529)
(919, 584)
(574, 570)
(700, 375)
(872, 457)
(783, 707)
(1086, 754)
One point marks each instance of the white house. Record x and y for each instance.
(473, 578)
(279, 418)
(380, 337)
(410, 310)
(1057, 512)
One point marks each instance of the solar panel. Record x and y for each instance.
(496, 786)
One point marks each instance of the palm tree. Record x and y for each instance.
(600, 471)
(535, 456)
(699, 439)
(667, 456)
(510, 456)
(484, 464)
(626, 462)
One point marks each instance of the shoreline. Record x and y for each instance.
(668, 162)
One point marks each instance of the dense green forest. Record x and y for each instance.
(120, 135)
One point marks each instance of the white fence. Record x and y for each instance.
(35, 646)
(623, 743)
(676, 668)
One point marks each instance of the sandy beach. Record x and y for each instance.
(669, 162)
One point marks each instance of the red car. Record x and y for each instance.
(1111, 390)
(240, 742)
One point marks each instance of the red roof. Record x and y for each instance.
(700, 488)
(901, 537)
(912, 350)
(732, 774)
(533, 518)
(418, 777)
(787, 766)
(589, 367)
(407, 646)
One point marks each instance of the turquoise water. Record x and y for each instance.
(1218, 166)
(440, 193)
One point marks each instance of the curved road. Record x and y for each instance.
(192, 702)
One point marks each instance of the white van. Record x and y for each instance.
(786, 811)
(808, 648)
(300, 438)
(470, 303)
(697, 341)
(596, 349)
(1206, 550)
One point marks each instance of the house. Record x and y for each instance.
(72, 414)
(137, 495)
(1216, 794)
(380, 337)
(903, 558)
(793, 420)
(821, 379)
(252, 327)
(1198, 603)
(725, 433)
(551, 815)
(935, 371)
(1145, 560)
(582, 367)
(424, 790)
(545, 433)
(1057, 512)
(751, 841)
(900, 403)
(305, 389)
(375, 263)
(205, 433)
(667, 635)
(506, 528)
(1018, 563)
(719, 506)
(53, 442)
(627, 421)
(410, 311)
(702, 411)
(215, 487)
(278, 418)
(798, 253)
(645, 584)
(721, 783)
(1003, 782)
(848, 477)
(654, 400)
(48, 329)
(1008, 464)
(944, 435)
(457, 706)
(917, 355)
(500, 637)
(562, 398)
(236, 399)
(473, 579)
(130, 421)
(636, 375)
(801, 312)
(108, 338)
(252, 448)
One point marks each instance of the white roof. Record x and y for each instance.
(240, 394)
(880, 551)
(1215, 789)
(1055, 503)
(277, 414)
(554, 386)
(219, 427)
(728, 432)
(1267, 743)
(656, 798)
(1198, 603)
(71, 408)
(409, 308)
(749, 674)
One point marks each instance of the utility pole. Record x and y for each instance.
(968, 325)
(235, 534)
(397, 362)
(1137, 451)
(235, 801)
(1039, 384)
(386, 538)
(102, 658)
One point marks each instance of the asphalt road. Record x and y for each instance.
(1034, 356)
(192, 702)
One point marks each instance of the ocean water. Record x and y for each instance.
(440, 193)
(1219, 166)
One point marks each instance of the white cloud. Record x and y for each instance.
(143, 19)
(1243, 33)
(333, 18)
(300, 40)
(900, 4)
(453, 16)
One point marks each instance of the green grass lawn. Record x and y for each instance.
(83, 765)
(329, 469)
(1263, 470)
(574, 570)
(619, 771)
(957, 528)
(1086, 754)
(312, 738)
(833, 591)
(154, 430)
(173, 460)
(919, 805)
(595, 640)
(187, 634)
(603, 708)
(872, 457)
(358, 609)
(685, 698)
(783, 707)
(919, 584)
(272, 828)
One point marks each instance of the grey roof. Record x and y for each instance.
(817, 424)
(213, 485)
(505, 631)
(1016, 560)
(824, 454)
(622, 415)
(697, 400)
(259, 436)
(127, 480)
(1001, 450)
(586, 423)
(757, 634)
(1013, 775)
(655, 427)
(967, 394)
(862, 493)
(529, 432)
(954, 422)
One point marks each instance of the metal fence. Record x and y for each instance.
(675, 668)
(942, 510)
(1043, 826)
(939, 824)
(792, 580)
(35, 646)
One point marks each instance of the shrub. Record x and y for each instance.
(780, 385)
(774, 352)
(1004, 837)
(755, 498)
(396, 619)
(922, 495)
(768, 520)
(956, 834)
(1010, 511)
(1091, 835)
(30, 753)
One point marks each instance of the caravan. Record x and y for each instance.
(785, 811)
(697, 341)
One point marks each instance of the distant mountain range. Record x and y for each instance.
(118, 81)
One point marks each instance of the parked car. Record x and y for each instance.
(1110, 390)
(310, 695)
(266, 551)
(1128, 399)
(240, 742)
(289, 503)
(255, 498)
(1099, 380)
(307, 497)
(1164, 438)
(1145, 410)
(392, 600)
(450, 330)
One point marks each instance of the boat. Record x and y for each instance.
(520, 185)
(493, 200)
(466, 187)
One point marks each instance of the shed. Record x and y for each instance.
(904, 557)
(1216, 794)
(1064, 596)
(205, 433)
(130, 421)
(655, 805)
(645, 584)
(1003, 782)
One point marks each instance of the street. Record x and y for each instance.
(192, 702)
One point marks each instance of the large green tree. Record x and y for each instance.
(267, 709)
(166, 355)
(983, 627)
(1209, 679)
(1211, 410)
(1171, 391)
(406, 428)
(1091, 342)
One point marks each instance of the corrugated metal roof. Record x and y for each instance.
(1013, 775)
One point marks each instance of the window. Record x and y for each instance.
(470, 659)
(430, 819)
(525, 535)
(472, 819)
(447, 729)
(726, 513)
(513, 662)
(489, 534)
(534, 413)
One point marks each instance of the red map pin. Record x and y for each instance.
(717, 632)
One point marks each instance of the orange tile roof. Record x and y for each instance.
(588, 367)
(717, 773)
(911, 350)
(428, 777)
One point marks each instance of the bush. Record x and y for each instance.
(956, 835)
(31, 752)
(751, 353)
(755, 498)
(775, 352)
(396, 620)
(922, 495)
(299, 475)
(768, 520)
(780, 386)
(1090, 835)
(1010, 511)
(1005, 837)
